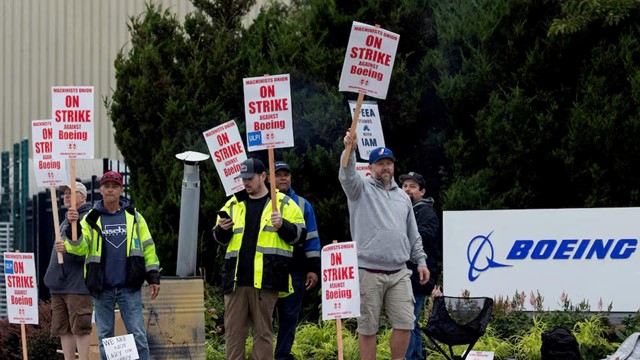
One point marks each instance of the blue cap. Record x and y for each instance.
(380, 153)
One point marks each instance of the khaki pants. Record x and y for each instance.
(248, 305)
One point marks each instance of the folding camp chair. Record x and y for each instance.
(458, 321)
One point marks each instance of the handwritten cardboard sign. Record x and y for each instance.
(120, 348)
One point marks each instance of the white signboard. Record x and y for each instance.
(267, 107)
(369, 128)
(362, 168)
(227, 152)
(369, 60)
(480, 355)
(22, 289)
(48, 170)
(72, 121)
(588, 254)
(340, 281)
(120, 348)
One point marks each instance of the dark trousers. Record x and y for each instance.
(288, 311)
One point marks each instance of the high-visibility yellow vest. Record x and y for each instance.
(273, 255)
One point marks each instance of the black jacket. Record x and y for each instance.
(428, 225)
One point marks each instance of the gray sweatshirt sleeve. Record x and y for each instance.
(351, 182)
(418, 256)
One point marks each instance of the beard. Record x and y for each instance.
(385, 177)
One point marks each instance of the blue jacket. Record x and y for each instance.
(306, 256)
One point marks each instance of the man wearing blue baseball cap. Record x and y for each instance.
(384, 227)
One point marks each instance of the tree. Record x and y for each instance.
(526, 108)
(499, 103)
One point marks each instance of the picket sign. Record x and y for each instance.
(271, 119)
(22, 292)
(73, 106)
(367, 67)
(340, 284)
(120, 348)
(227, 153)
(369, 129)
(49, 170)
(362, 168)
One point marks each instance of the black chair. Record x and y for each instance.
(458, 321)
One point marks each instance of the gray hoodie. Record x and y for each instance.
(67, 278)
(381, 221)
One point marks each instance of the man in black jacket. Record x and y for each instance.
(414, 185)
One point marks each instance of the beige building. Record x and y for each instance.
(49, 43)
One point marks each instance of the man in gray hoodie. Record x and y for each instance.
(70, 299)
(384, 228)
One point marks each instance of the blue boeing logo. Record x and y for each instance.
(480, 256)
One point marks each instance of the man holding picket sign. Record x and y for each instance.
(259, 245)
(384, 227)
(259, 225)
(380, 214)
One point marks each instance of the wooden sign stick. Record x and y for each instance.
(272, 178)
(23, 334)
(339, 331)
(272, 181)
(72, 166)
(72, 172)
(56, 220)
(352, 130)
(340, 350)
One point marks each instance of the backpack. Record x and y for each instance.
(559, 344)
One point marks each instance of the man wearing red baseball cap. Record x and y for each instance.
(120, 256)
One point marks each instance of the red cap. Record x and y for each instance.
(112, 176)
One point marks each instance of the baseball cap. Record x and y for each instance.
(250, 168)
(112, 176)
(415, 177)
(380, 153)
(79, 188)
(281, 165)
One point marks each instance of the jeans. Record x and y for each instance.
(288, 312)
(130, 304)
(415, 349)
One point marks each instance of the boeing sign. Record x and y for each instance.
(480, 255)
(480, 252)
(589, 254)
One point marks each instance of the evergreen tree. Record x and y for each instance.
(499, 103)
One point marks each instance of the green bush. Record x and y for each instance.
(40, 343)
